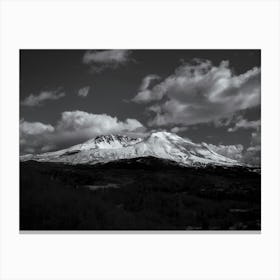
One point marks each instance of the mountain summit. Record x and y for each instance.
(162, 145)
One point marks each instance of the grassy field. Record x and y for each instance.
(138, 194)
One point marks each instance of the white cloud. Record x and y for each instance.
(245, 124)
(231, 151)
(147, 81)
(200, 92)
(143, 89)
(34, 128)
(95, 123)
(83, 92)
(256, 138)
(73, 127)
(47, 148)
(251, 155)
(33, 135)
(37, 100)
(254, 149)
(100, 60)
(253, 152)
(177, 129)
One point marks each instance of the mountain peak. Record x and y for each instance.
(110, 141)
(160, 144)
(164, 134)
(161, 133)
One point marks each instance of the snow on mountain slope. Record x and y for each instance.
(114, 147)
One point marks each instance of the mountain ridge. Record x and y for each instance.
(107, 148)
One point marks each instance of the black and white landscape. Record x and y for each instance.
(140, 140)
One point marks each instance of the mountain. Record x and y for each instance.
(163, 145)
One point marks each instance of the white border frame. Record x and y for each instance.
(139, 24)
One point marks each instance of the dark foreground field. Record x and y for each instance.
(140, 194)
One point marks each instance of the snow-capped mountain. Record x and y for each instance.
(108, 148)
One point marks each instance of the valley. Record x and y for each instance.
(144, 193)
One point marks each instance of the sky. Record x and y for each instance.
(212, 96)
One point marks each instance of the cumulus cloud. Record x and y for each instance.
(47, 148)
(177, 129)
(83, 92)
(147, 81)
(34, 128)
(73, 127)
(37, 100)
(95, 123)
(245, 124)
(34, 135)
(256, 138)
(230, 151)
(144, 88)
(199, 92)
(101, 60)
(252, 154)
